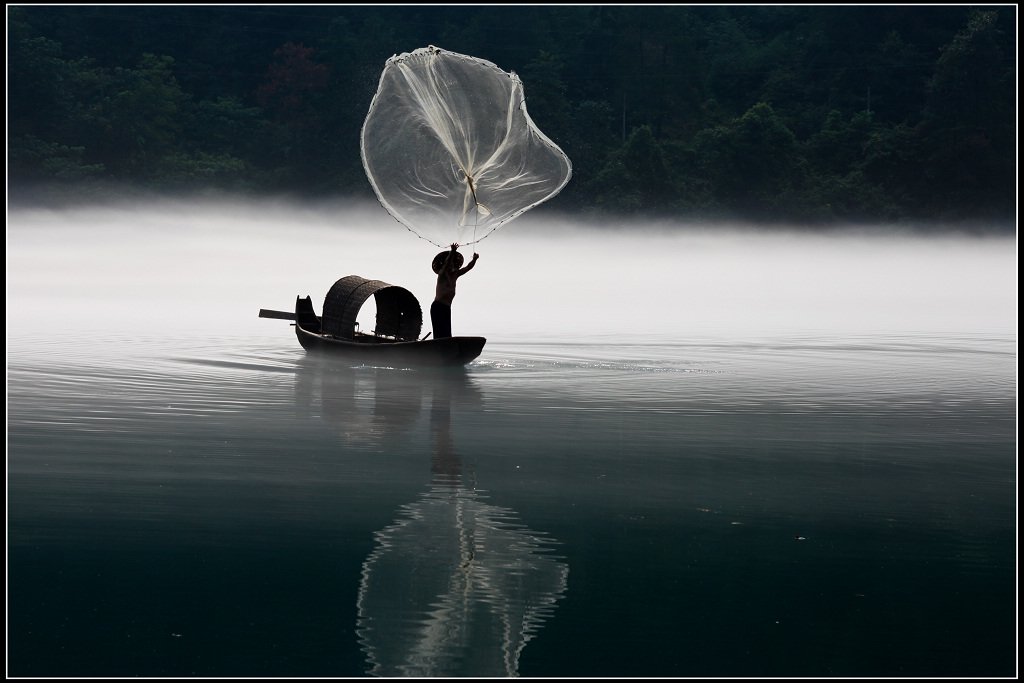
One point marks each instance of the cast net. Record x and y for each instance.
(450, 150)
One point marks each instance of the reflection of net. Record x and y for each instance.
(455, 588)
(450, 150)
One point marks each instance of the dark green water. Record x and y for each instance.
(730, 454)
(802, 508)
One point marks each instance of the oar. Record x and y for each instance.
(281, 315)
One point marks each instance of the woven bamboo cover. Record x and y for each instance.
(398, 312)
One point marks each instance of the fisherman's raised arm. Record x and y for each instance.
(470, 266)
(451, 255)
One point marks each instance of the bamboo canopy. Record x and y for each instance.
(398, 312)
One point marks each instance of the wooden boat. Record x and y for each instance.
(395, 340)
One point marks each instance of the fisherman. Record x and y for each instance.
(447, 265)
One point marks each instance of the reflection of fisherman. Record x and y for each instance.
(447, 266)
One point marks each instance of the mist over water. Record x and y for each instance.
(539, 278)
(686, 450)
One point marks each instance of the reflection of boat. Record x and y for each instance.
(369, 404)
(395, 338)
(364, 404)
(455, 586)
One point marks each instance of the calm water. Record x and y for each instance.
(681, 453)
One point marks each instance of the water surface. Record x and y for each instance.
(682, 453)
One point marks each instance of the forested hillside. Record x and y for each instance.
(809, 114)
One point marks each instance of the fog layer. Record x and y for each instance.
(213, 265)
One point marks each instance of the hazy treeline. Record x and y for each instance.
(795, 113)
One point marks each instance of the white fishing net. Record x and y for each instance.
(450, 150)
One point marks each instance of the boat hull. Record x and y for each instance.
(449, 351)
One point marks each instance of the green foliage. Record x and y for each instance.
(128, 119)
(39, 99)
(968, 124)
(589, 143)
(967, 73)
(33, 160)
(225, 126)
(200, 172)
(546, 100)
(635, 176)
(751, 161)
(805, 113)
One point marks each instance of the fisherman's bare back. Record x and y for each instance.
(446, 278)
